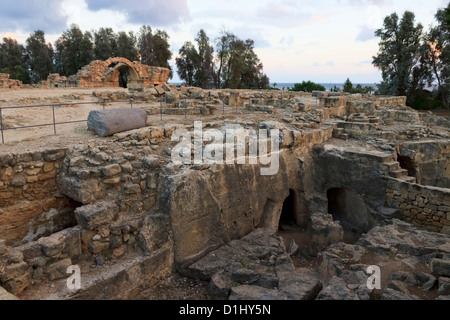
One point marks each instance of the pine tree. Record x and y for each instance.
(399, 53)
(39, 56)
(348, 85)
(12, 60)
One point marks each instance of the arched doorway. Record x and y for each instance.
(118, 75)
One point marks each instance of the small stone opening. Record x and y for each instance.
(288, 217)
(408, 164)
(348, 207)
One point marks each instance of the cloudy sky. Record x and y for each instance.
(323, 41)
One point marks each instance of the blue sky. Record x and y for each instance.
(323, 41)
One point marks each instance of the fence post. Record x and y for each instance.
(161, 109)
(54, 120)
(185, 109)
(1, 125)
(131, 102)
(104, 104)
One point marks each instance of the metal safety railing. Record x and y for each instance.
(163, 111)
(52, 108)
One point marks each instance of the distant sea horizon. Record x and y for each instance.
(289, 85)
(328, 86)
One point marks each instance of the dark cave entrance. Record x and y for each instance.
(288, 212)
(349, 208)
(408, 164)
(119, 74)
(124, 74)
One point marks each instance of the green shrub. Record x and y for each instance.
(308, 86)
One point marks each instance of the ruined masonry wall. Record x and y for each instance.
(30, 205)
(423, 206)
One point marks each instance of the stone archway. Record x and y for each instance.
(119, 72)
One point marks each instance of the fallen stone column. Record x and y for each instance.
(108, 122)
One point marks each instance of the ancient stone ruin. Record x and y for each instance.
(114, 73)
(362, 181)
(7, 83)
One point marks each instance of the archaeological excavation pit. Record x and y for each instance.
(344, 197)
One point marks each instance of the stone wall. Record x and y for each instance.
(7, 83)
(355, 170)
(30, 204)
(106, 74)
(99, 74)
(427, 161)
(423, 206)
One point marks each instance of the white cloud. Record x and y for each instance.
(151, 12)
(29, 16)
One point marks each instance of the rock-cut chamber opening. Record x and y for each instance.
(349, 208)
(288, 216)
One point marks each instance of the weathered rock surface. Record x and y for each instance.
(255, 267)
(5, 295)
(399, 243)
(323, 231)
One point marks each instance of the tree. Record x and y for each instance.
(308, 86)
(162, 51)
(399, 54)
(186, 63)
(253, 68)
(348, 86)
(238, 65)
(105, 44)
(126, 46)
(38, 56)
(437, 54)
(145, 45)
(73, 51)
(204, 74)
(223, 52)
(154, 48)
(12, 60)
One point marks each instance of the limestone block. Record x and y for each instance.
(324, 231)
(108, 122)
(444, 286)
(14, 271)
(111, 170)
(84, 191)
(5, 295)
(18, 284)
(95, 215)
(440, 267)
(58, 270)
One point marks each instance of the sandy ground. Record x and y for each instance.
(76, 105)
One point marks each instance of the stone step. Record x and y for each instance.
(337, 132)
(409, 179)
(399, 173)
(344, 136)
(361, 120)
(390, 166)
(375, 120)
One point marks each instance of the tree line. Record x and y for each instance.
(413, 60)
(235, 65)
